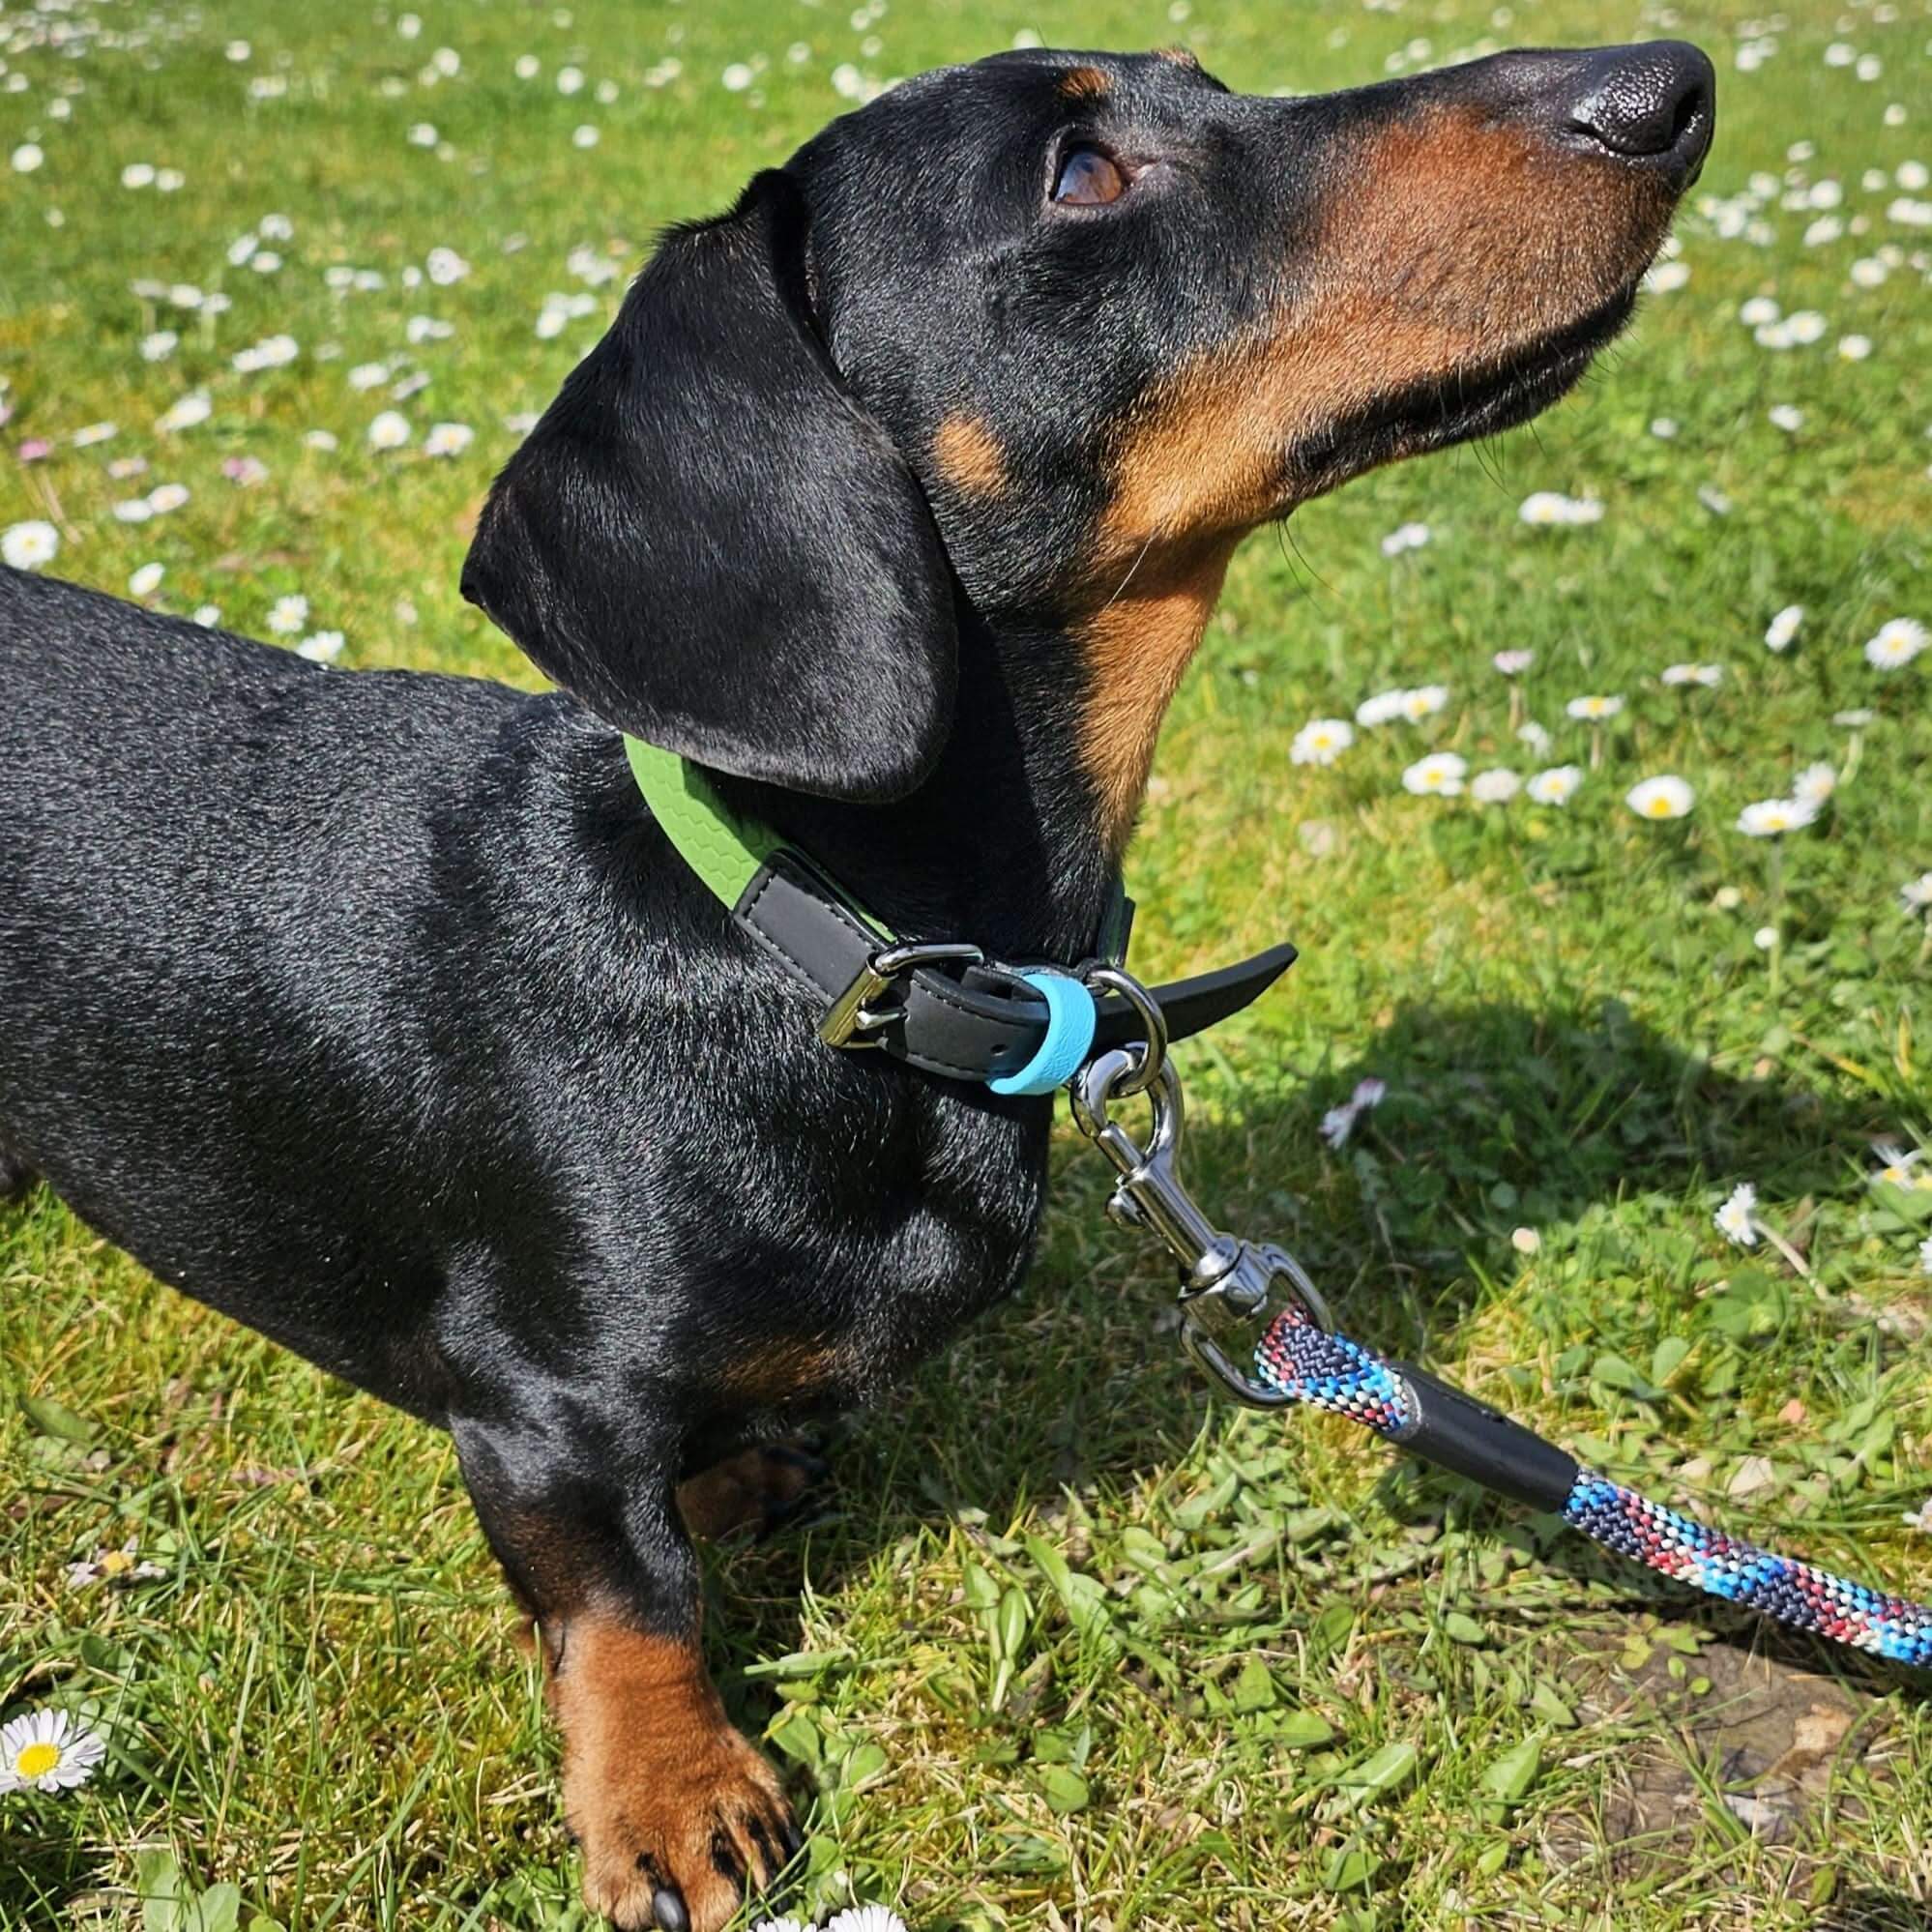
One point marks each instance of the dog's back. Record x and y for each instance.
(219, 911)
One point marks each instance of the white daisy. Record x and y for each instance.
(1896, 643)
(1916, 893)
(1787, 417)
(1737, 1218)
(1406, 536)
(1321, 741)
(192, 409)
(1532, 734)
(1783, 628)
(1897, 1171)
(1805, 325)
(1853, 721)
(1759, 311)
(324, 647)
(289, 614)
(1815, 784)
(1381, 709)
(1855, 348)
(1594, 708)
(1439, 775)
(1925, 1263)
(1495, 787)
(165, 497)
(1922, 1519)
(448, 439)
(1425, 701)
(1691, 674)
(1770, 818)
(865, 1919)
(26, 546)
(46, 1750)
(147, 578)
(208, 615)
(27, 156)
(1513, 663)
(1663, 797)
(1556, 786)
(390, 431)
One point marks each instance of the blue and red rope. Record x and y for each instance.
(1329, 1371)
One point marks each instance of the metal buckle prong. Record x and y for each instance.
(851, 1014)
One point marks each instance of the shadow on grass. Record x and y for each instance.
(1496, 1116)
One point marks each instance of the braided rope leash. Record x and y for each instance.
(1305, 1363)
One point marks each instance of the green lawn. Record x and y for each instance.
(1334, 1689)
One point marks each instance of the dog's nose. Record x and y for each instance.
(1651, 104)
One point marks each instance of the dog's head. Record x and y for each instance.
(1049, 334)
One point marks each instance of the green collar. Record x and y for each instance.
(728, 851)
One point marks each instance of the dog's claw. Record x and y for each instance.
(667, 1908)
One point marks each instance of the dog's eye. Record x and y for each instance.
(1089, 179)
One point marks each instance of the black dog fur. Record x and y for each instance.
(373, 1008)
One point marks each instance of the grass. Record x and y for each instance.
(1329, 1690)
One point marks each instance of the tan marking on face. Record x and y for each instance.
(1136, 646)
(967, 456)
(1084, 84)
(654, 1774)
(1449, 246)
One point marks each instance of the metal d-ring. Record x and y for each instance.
(1153, 1050)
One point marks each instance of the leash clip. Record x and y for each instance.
(852, 1013)
(1230, 1287)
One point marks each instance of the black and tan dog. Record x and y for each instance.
(376, 1009)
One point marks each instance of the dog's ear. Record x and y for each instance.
(711, 543)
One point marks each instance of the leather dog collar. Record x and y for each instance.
(942, 1007)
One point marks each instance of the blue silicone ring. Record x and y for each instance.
(1071, 1019)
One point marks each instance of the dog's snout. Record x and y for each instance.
(1651, 104)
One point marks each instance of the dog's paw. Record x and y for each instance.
(760, 1489)
(680, 1820)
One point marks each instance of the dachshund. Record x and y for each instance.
(377, 1011)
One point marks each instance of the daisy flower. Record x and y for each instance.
(1663, 797)
(114, 1566)
(1532, 734)
(1814, 784)
(865, 1919)
(1407, 537)
(27, 156)
(1771, 818)
(1321, 741)
(192, 408)
(324, 647)
(165, 497)
(1783, 628)
(1425, 701)
(1594, 709)
(1557, 786)
(1381, 709)
(46, 1750)
(1707, 675)
(1898, 1168)
(1916, 895)
(1853, 721)
(1922, 1518)
(1439, 773)
(1896, 643)
(1513, 663)
(1338, 1123)
(1547, 507)
(1496, 787)
(448, 439)
(288, 615)
(26, 546)
(147, 578)
(1787, 417)
(390, 431)
(1737, 1218)
(1925, 1263)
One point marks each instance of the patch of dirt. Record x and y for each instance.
(1782, 1748)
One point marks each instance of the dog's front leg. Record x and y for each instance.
(679, 1818)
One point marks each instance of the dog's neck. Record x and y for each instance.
(1008, 843)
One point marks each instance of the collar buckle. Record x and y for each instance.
(852, 1016)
